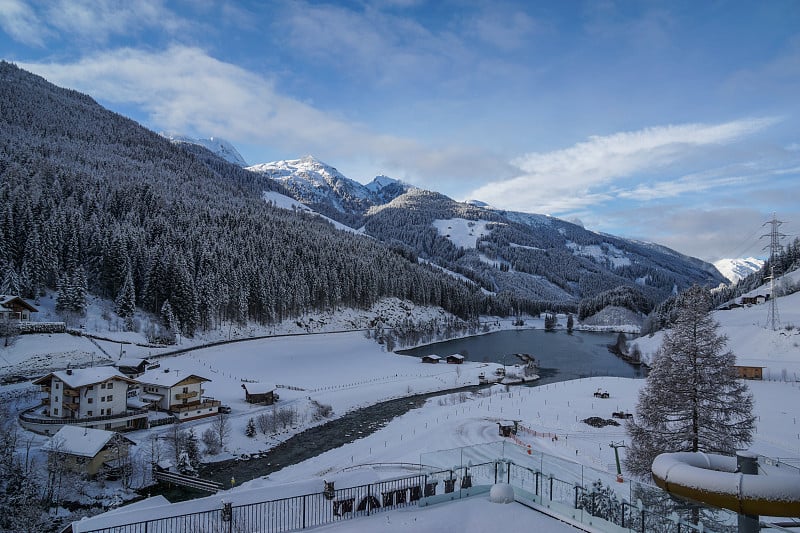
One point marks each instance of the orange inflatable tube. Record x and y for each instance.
(713, 479)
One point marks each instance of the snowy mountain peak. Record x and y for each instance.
(216, 145)
(380, 181)
(736, 269)
(315, 183)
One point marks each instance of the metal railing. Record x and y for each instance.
(287, 514)
(553, 485)
(25, 417)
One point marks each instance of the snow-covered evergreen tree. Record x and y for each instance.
(600, 500)
(72, 289)
(250, 430)
(692, 400)
(126, 298)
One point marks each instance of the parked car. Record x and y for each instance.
(224, 409)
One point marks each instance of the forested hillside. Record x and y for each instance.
(547, 262)
(544, 262)
(92, 201)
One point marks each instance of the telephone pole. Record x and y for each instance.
(775, 236)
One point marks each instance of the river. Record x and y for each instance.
(561, 356)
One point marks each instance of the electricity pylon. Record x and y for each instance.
(773, 320)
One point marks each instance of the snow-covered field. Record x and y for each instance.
(348, 370)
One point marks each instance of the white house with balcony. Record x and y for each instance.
(177, 392)
(94, 397)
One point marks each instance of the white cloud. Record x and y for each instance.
(97, 20)
(571, 178)
(502, 28)
(183, 89)
(374, 45)
(21, 23)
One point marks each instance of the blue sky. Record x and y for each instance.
(673, 122)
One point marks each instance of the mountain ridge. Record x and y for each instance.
(536, 256)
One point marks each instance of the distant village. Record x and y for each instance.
(85, 409)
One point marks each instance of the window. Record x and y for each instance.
(57, 385)
(56, 399)
(102, 412)
(186, 389)
(109, 398)
(102, 385)
(102, 398)
(89, 400)
(89, 413)
(55, 410)
(110, 386)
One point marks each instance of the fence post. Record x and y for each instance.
(227, 514)
(304, 510)
(369, 496)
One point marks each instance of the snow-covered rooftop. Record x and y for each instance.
(82, 377)
(75, 440)
(166, 377)
(258, 388)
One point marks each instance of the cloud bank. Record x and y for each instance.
(595, 170)
(184, 89)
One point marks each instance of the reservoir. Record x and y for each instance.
(561, 356)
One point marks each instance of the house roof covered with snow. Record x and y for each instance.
(82, 377)
(76, 440)
(166, 377)
(6, 300)
(258, 388)
(132, 362)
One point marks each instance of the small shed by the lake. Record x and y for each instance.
(455, 359)
(261, 393)
(433, 359)
(132, 367)
(749, 372)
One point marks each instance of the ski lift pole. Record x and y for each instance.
(616, 446)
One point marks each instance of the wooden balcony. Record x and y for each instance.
(186, 395)
(46, 400)
(72, 405)
(195, 406)
(72, 392)
(46, 388)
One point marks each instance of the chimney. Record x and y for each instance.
(69, 371)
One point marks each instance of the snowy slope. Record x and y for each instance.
(736, 269)
(749, 338)
(284, 202)
(215, 145)
(461, 232)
